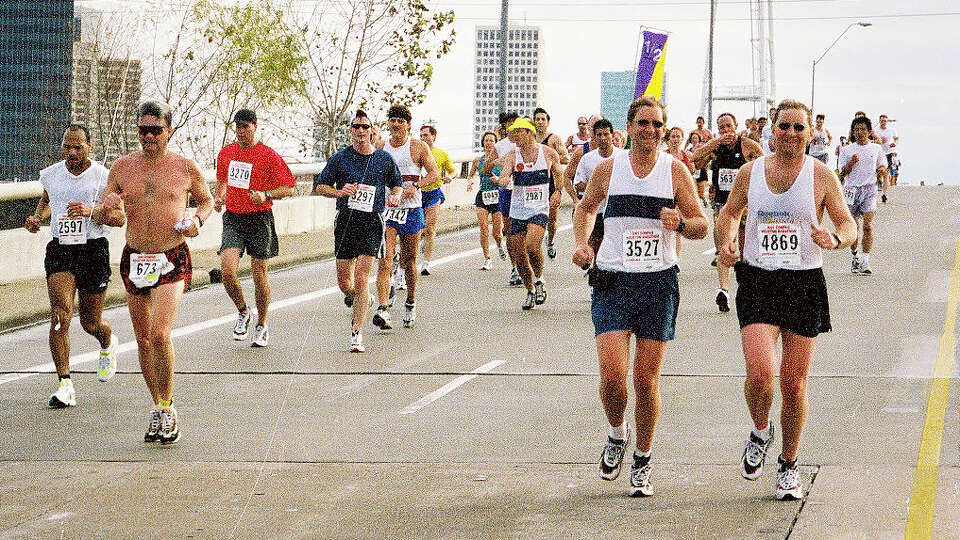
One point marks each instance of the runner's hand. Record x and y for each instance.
(670, 218)
(409, 192)
(393, 200)
(583, 256)
(112, 201)
(32, 223)
(192, 229)
(729, 253)
(218, 204)
(855, 159)
(348, 190)
(821, 236)
(78, 209)
(470, 185)
(447, 179)
(258, 197)
(728, 139)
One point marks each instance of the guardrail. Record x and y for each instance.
(14, 191)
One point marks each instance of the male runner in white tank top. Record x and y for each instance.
(782, 292)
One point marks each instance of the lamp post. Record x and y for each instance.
(813, 71)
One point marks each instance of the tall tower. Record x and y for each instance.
(762, 90)
(36, 66)
(523, 75)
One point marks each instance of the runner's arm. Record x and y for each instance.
(725, 229)
(109, 210)
(751, 149)
(688, 204)
(704, 153)
(836, 207)
(585, 213)
(428, 163)
(561, 150)
(32, 223)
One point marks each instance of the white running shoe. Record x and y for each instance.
(169, 425)
(789, 486)
(611, 457)
(640, 480)
(754, 454)
(486, 264)
(503, 253)
(153, 427)
(107, 362)
(242, 328)
(261, 336)
(409, 314)
(855, 265)
(425, 268)
(64, 396)
(356, 342)
(381, 319)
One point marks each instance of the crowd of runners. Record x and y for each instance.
(635, 195)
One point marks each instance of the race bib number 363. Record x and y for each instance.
(779, 244)
(72, 231)
(363, 199)
(238, 174)
(642, 249)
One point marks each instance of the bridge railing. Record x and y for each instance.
(24, 251)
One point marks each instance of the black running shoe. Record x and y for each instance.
(723, 301)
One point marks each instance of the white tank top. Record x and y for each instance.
(634, 239)
(63, 187)
(576, 140)
(410, 173)
(587, 164)
(531, 186)
(778, 226)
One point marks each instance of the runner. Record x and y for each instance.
(534, 167)
(674, 142)
(700, 175)
(541, 119)
(487, 202)
(581, 136)
(358, 177)
(585, 165)
(404, 225)
(250, 176)
(766, 132)
(77, 258)
(651, 200)
(726, 154)
(889, 141)
(505, 182)
(154, 186)
(432, 195)
(862, 163)
(704, 133)
(822, 139)
(782, 290)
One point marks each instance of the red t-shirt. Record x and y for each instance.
(257, 168)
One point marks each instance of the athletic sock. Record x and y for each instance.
(165, 403)
(866, 258)
(619, 432)
(641, 458)
(763, 434)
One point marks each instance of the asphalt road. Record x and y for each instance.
(483, 421)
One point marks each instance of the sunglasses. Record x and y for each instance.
(150, 130)
(581, 123)
(785, 126)
(360, 126)
(647, 123)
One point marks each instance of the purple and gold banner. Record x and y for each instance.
(650, 69)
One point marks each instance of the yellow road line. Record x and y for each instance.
(920, 518)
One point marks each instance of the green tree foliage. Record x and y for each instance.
(365, 53)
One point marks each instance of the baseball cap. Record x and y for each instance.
(522, 123)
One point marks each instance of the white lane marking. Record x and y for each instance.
(128, 346)
(450, 387)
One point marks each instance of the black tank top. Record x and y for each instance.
(726, 158)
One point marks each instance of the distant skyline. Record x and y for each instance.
(905, 65)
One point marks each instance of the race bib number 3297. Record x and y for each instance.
(363, 199)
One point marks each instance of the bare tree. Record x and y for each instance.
(363, 53)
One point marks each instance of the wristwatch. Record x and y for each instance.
(682, 225)
(267, 196)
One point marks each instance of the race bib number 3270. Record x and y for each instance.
(238, 174)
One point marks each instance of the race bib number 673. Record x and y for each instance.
(146, 268)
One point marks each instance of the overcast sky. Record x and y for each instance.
(905, 65)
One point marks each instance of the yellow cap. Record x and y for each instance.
(522, 123)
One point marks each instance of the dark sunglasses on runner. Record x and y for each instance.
(151, 130)
(360, 126)
(785, 126)
(646, 123)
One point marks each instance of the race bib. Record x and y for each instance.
(363, 199)
(818, 148)
(72, 231)
(238, 174)
(396, 215)
(535, 196)
(849, 194)
(779, 244)
(490, 197)
(642, 249)
(725, 179)
(146, 268)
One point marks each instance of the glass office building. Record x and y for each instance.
(36, 66)
(616, 94)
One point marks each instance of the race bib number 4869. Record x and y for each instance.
(642, 249)
(779, 244)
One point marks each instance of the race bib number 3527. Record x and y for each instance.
(238, 174)
(642, 249)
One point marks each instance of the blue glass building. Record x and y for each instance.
(616, 94)
(36, 67)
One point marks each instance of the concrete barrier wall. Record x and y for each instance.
(24, 252)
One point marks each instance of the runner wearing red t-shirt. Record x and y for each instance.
(250, 175)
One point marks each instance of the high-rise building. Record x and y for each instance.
(106, 90)
(523, 75)
(616, 94)
(36, 68)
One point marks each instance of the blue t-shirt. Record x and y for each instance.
(351, 167)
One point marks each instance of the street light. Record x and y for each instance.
(813, 71)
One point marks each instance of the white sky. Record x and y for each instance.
(905, 65)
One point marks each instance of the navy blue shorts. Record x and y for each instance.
(644, 303)
(413, 225)
(520, 225)
(431, 198)
(504, 202)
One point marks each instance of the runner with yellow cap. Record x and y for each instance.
(533, 167)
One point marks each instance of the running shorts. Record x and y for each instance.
(864, 200)
(644, 303)
(520, 225)
(358, 233)
(504, 202)
(492, 208)
(251, 232)
(431, 198)
(794, 300)
(89, 263)
(179, 267)
(413, 224)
